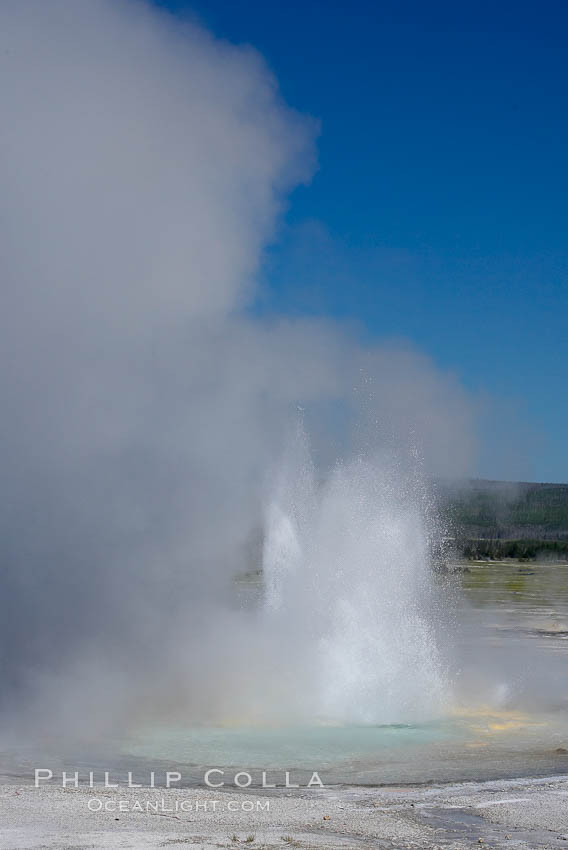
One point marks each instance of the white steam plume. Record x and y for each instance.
(144, 166)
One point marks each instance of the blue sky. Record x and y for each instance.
(439, 210)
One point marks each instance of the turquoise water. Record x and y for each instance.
(285, 747)
(469, 745)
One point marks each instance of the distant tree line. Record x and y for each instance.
(524, 550)
(497, 519)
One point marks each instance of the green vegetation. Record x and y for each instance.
(497, 519)
(523, 550)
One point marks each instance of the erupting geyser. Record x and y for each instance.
(347, 569)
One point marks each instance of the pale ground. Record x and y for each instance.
(521, 814)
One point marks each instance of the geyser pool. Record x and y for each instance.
(465, 745)
(504, 629)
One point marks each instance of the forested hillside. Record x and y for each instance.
(503, 519)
